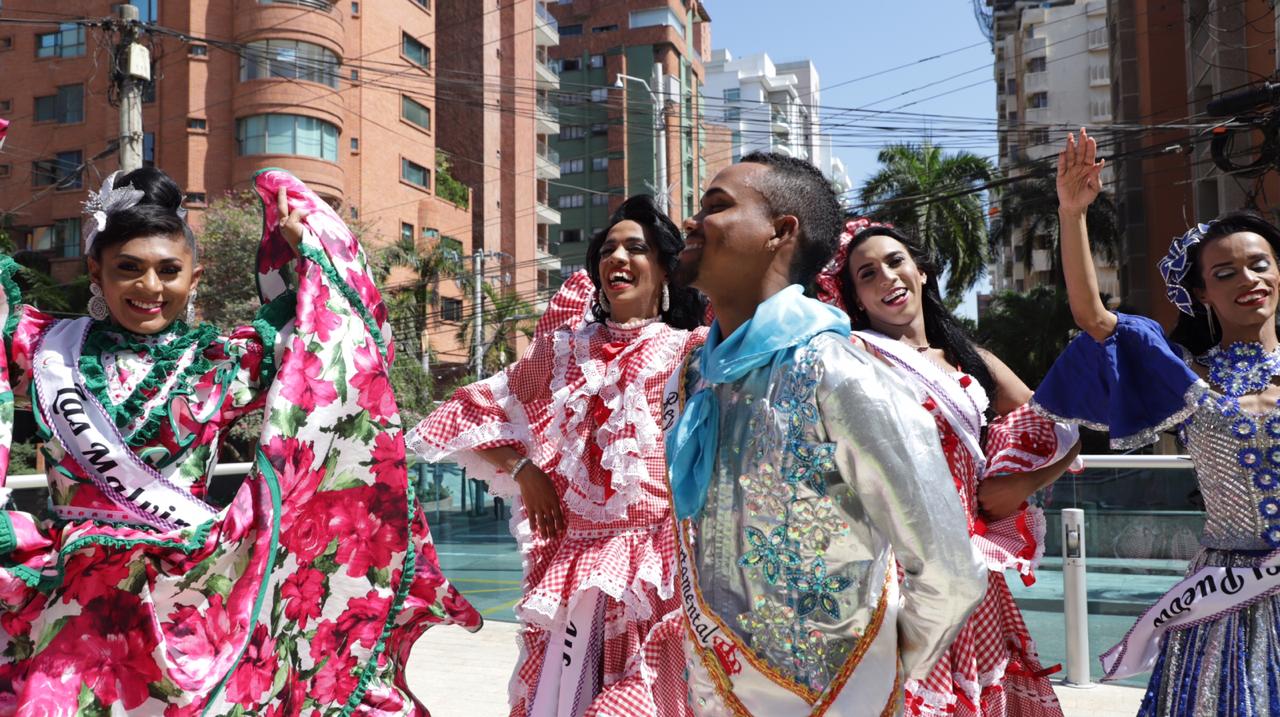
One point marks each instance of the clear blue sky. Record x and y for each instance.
(847, 39)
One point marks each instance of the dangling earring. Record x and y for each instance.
(602, 300)
(1208, 317)
(191, 308)
(97, 304)
(666, 297)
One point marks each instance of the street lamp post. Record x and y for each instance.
(659, 129)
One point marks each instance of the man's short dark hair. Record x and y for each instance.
(796, 187)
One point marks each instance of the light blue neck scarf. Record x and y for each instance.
(784, 321)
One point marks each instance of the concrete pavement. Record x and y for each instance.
(457, 674)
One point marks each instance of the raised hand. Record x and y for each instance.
(291, 222)
(1079, 173)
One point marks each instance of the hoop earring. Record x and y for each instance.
(666, 297)
(603, 301)
(97, 303)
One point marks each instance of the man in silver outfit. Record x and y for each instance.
(823, 555)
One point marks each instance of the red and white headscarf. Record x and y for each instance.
(828, 281)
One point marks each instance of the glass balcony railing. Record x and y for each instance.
(545, 15)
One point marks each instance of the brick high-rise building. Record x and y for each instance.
(342, 94)
(496, 113)
(611, 127)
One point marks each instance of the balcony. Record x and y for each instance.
(1040, 260)
(546, 261)
(545, 214)
(1034, 47)
(547, 163)
(547, 77)
(1033, 82)
(781, 122)
(546, 31)
(1039, 115)
(1096, 7)
(546, 117)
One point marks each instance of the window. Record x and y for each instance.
(451, 309)
(6, 42)
(6, 170)
(406, 231)
(415, 113)
(732, 114)
(355, 10)
(62, 239)
(198, 50)
(290, 60)
(571, 64)
(600, 94)
(63, 170)
(569, 166)
(572, 132)
(597, 61)
(733, 94)
(600, 128)
(448, 244)
(1039, 135)
(68, 41)
(147, 10)
(415, 174)
(1036, 64)
(599, 164)
(1038, 100)
(355, 75)
(570, 236)
(197, 124)
(571, 201)
(657, 17)
(570, 30)
(603, 28)
(355, 145)
(66, 106)
(599, 200)
(418, 53)
(6, 105)
(287, 134)
(355, 213)
(1011, 86)
(424, 3)
(148, 149)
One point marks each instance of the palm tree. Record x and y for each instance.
(935, 196)
(506, 316)
(1032, 204)
(409, 307)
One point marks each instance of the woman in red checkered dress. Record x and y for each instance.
(889, 286)
(571, 432)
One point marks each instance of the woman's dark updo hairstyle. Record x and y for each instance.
(940, 325)
(1192, 332)
(687, 305)
(155, 213)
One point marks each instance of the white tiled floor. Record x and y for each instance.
(458, 674)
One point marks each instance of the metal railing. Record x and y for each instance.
(545, 15)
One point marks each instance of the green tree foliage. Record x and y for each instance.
(1032, 203)
(1027, 331)
(446, 186)
(935, 196)
(506, 316)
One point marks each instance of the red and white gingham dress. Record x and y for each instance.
(584, 403)
(992, 667)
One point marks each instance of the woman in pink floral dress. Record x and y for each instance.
(139, 594)
(571, 433)
(999, 451)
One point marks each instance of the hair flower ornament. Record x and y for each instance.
(1175, 265)
(103, 202)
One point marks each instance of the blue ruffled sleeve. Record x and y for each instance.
(1135, 384)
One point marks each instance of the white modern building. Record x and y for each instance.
(770, 106)
(1052, 72)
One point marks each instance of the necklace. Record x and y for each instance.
(1241, 368)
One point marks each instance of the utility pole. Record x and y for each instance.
(133, 67)
(477, 323)
(660, 128)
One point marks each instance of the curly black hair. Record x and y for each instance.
(687, 304)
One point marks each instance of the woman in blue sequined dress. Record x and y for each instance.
(1213, 642)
